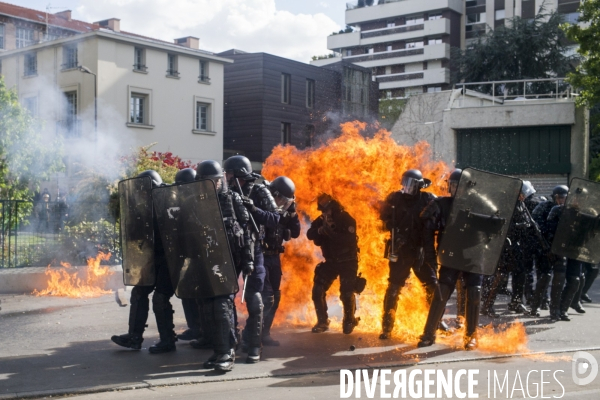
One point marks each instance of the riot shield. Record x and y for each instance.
(137, 231)
(578, 233)
(195, 241)
(479, 219)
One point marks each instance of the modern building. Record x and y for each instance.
(105, 84)
(542, 137)
(271, 100)
(407, 42)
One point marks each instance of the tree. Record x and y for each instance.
(25, 158)
(587, 75)
(522, 49)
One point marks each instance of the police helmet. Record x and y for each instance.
(156, 179)
(209, 169)
(527, 189)
(413, 181)
(185, 175)
(240, 166)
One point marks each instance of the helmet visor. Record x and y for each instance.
(283, 203)
(411, 185)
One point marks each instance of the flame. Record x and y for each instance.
(359, 173)
(85, 282)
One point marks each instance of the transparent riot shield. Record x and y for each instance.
(578, 233)
(195, 241)
(479, 219)
(137, 231)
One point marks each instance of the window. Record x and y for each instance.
(137, 109)
(414, 20)
(203, 77)
(51, 36)
(471, 3)
(310, 93)
(286, 83)
(24, 37)
(434, 16)
(434, 89)
(389, 47)
(391, 24)
(369, 50)
(139, 59)
(30, 104)
(309, 135)
(414, 45)
(70, 56)
(69, 123)
(434, 41)
(348, 53)
(286, 133)
(172, 65)
(499, 14)
(202, 113)
(571, 18)
(1, 36)
(475, 18)
(30, 64)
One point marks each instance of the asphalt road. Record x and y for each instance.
(58, 346)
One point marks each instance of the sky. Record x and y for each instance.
(287, 28)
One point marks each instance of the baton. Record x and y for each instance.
(244, 289)
(249, 213)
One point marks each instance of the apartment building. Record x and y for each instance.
(103, 84)
(407, 42)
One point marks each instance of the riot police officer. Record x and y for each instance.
(546, 260)
(335, 232)
(161, 305)
(435, 217)
(531, 202)
(263, 211)
(401, 215)
(282, 188)
(219, 311)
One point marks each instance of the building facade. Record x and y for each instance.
(271, 100)
(407, 42)
(116, 90)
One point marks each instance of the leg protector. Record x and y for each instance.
(349, 303)
(139, 306)
(461, 298)
(436, 311)
(223, 337)
(590, 277)
(472, 317)
(163, 311)
(319, 299)
(268, 302)
(254, 322)
(541, 291)
(568, 293)
(390, 303)
(488, 304)
(558, 283)
(516, 304)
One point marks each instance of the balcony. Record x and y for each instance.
(437, 76)
(390, 9)
(434, 27)
(403, 56)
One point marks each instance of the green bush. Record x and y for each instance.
(86, 239)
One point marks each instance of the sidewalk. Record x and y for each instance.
(52, 346)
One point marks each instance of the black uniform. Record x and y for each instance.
(435, 218)
(339, 245)
(408, 246)
(535, 251)
(288, 228)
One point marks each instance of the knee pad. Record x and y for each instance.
(254, 303)
(160, 301)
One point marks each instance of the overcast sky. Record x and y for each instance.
(295, 29)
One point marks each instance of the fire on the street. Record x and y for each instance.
(78, 283)
(360, 172)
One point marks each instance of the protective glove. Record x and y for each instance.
(287, 234)
(248, 203)
(248, 268)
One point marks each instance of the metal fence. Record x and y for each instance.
(50, 232)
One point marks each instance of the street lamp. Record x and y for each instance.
(86, 70)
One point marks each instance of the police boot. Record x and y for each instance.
(318, 297)
(516, 304)
(390, 303)
(568, 293)
(139, 305)
(541, 290)
(576, 303)
(163, 311)
(436, 311)
(269, 316)
(558, 283)
(590, 277)
(253, 328)
(472, 319)
(350, 321)
(488, 304)
(223, 334)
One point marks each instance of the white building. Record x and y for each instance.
(147, 90)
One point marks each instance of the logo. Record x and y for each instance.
(584, 368)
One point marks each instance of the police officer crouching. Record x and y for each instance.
(335, 232)
(283, 189)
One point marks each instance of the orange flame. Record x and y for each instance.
(86, 282)
(359, 173)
